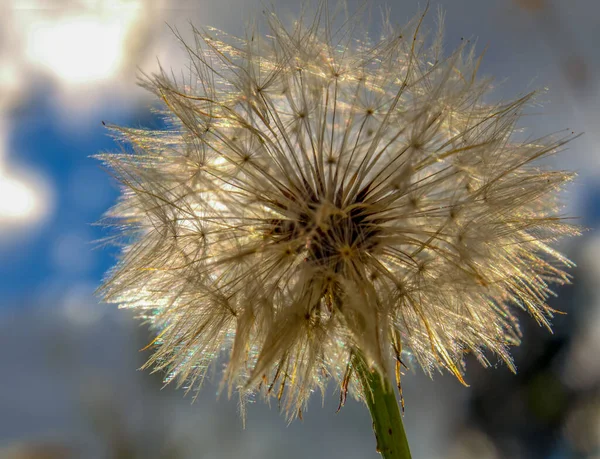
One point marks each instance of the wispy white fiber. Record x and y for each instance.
(316, 193)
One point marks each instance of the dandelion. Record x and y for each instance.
(319, 205)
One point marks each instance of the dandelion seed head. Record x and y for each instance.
(314, 195)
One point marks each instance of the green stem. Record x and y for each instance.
(382, 403)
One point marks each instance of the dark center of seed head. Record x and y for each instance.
(338, 234)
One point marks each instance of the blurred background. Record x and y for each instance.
(69, 380)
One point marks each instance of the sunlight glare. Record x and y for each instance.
(25, 197)
(17, 200)
(83, 48)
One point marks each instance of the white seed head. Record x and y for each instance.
(315, 194)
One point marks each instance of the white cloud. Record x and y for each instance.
(26, 197)
(17, 199)
(79, 46)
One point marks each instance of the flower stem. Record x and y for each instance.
(381, 400)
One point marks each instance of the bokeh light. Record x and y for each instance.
(18, 201)
(79, 48)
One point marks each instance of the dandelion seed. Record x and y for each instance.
(315, 195)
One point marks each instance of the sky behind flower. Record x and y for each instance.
(66, 66)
